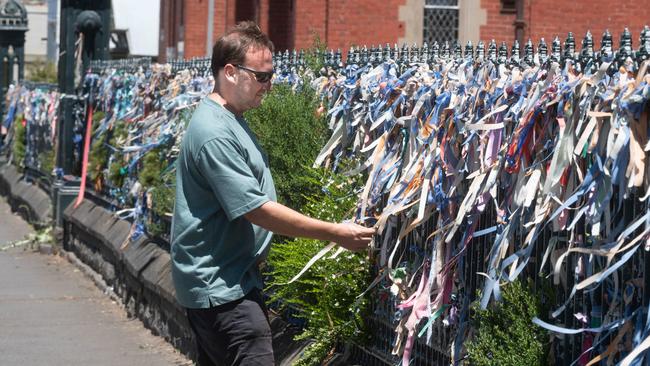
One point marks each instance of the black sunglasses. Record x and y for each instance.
(260, 76)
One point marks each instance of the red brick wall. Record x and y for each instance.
(231, 7)
(498, 26)
(196, 26)
(342, 23)
(281, 24)
(224, 16)
(310, 20)
(264, 15)
(349, 23)
(167, 29)
(171, 29)
(547, 18)
(247, 10)
(196, 22)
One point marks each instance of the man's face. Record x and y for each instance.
(250, 90)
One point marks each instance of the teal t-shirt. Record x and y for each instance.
(221, 174)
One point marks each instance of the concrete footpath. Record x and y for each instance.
(52, 314)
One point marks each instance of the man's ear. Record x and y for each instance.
(230, 72)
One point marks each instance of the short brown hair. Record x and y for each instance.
(231, 48)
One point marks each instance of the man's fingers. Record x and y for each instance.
(358, 237)
(367, 231)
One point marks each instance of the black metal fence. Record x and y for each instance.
(527, 55)
(37, 103)
(634, 277)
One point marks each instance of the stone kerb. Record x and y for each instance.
(26, 198)
(138, 272)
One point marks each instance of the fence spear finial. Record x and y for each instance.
(542, 50)
(529, 53)
(644, 45)
(480, 50)
(435, 51)
(515, 53)
(556, 50)
(469, 50)
(503, 53)
(569, 47)
(492, 51)
(424, 56)
(606, 43)
(625, 49)
(587, 51)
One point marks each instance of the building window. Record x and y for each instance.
(441, 21)
(508, 6)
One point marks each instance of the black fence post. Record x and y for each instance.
(87, 21)
(13, 25)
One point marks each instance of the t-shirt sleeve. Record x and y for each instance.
(222, 163)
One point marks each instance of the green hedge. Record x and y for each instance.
(41, 72)
(98, 153)
(506, 335)
(159, 180)
(325, 295)
(19, 147)
(292, 134)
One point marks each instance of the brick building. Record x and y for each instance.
(189, 27)
(547, 18)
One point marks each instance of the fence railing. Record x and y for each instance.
(34, 106)
(525, 55)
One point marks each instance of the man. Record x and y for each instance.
(225, 210)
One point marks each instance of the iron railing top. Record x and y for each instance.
(32, 85)
(561, 52)
(200, 64)
(127, 64)
(520, 55)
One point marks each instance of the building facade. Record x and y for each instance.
(142, 32)
(36, 38)
(189, 27)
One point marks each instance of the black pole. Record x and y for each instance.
(86, 23)
(520, 23)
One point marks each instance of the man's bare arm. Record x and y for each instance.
(282, 220)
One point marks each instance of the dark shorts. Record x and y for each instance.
(236, 333)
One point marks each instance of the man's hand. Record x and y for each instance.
(284, 221)
(353, 237)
